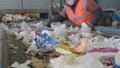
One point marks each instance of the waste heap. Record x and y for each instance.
(31, 44)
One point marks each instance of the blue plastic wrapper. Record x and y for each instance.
(46, 43)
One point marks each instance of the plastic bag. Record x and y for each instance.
(20, 34)
(89, 62)
(36, 23)
(59, 29)
(85, 30)
(112, 42)
(49, 33)
(3, 26)
(32, 35)
(74, 38)
(39, 30)
(73, 30)
(26, 40)
(86, 61)
(46, 43)
(24, 31)
(95, 42)
(25, 27)
(12, 31)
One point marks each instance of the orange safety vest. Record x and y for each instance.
(81, 14)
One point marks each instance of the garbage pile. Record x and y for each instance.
(66, 47)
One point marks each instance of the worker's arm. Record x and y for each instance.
(59, 18)
(97, 12)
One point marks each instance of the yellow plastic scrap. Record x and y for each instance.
(63, 51)
(64, 47)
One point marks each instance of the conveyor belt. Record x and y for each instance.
(9, 57)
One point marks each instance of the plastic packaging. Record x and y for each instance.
(25, 27)
(32, 35)
(26, 40)
(85, 61)
(25, 30)
(39, 30)
(85, 30)
(70, 29)
(49, 33)
(45, 43)
(36, 23)
(95, 42)
(89, 62)
(112, 42)
(74, 39)
(73, 30)
(12, 31)
(59, 29)
(20, 35)
(3, 26)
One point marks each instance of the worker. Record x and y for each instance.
(79, 11)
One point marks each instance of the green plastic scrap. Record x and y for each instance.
(59, 5)
(17, 30)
